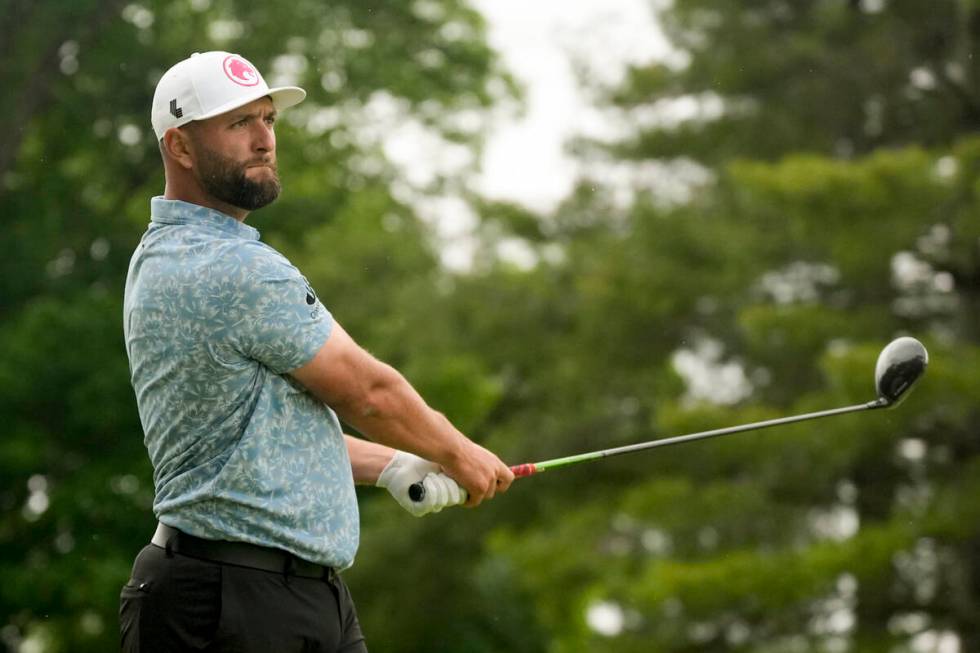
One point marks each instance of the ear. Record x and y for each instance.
(177, 146)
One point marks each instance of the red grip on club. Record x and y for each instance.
(524, 469)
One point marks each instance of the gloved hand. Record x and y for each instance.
(404, 469)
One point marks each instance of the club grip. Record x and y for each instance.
(416, 491)
(524, 469)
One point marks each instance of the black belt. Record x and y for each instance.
(241, 554)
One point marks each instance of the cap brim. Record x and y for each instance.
(283, 97)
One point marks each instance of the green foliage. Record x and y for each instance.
(78, 164)
(842, 211)
(833, 77)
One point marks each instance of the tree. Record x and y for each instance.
(834, 77)
(824, 229)
(770, 292)
(799, 537)
(78, 164)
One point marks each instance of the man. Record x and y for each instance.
(240, 375)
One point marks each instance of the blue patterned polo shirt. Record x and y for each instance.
(214, 319)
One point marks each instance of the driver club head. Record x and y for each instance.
(899, 366)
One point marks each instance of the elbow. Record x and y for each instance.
(370, 406)
(375, 397)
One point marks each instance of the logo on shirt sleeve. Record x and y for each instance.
(311, 301)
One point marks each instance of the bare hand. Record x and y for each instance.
(480, 473)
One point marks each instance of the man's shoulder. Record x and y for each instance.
(263, 260)
(195, 257)
(259, 250)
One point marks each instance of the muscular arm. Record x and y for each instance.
(376, 399)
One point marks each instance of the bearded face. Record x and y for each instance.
(228, 180)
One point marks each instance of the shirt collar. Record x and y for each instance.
(164, 211)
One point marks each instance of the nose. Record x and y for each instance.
(264, 137)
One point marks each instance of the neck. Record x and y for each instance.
(199, 197)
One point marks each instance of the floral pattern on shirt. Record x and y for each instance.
(214, 319)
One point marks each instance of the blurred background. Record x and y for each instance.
(573, 226)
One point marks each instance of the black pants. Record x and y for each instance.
(174, 603)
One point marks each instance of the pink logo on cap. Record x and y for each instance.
(240, 71)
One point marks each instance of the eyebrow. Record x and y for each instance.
(235, 117)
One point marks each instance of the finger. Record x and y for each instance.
(492, 488)
(475, 497)
(504, 479)
(432, 492)
(459, 494)
(441, 493)
(452, 493)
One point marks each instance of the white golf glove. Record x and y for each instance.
(405, 469)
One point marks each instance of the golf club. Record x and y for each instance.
(899, 366)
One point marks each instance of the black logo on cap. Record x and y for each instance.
(176, 111)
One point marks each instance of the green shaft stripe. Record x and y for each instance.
(567, 460)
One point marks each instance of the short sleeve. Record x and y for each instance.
(280, 321)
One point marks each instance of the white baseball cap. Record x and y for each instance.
(207, 84)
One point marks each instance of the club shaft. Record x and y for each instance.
(532, 468)
(417, 491)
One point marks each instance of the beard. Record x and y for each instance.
(224, 179)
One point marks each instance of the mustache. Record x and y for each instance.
(263, 161)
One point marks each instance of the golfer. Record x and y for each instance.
(240, 374)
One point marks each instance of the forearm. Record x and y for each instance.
(390, 412)
(367, 459)
(375, 399)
